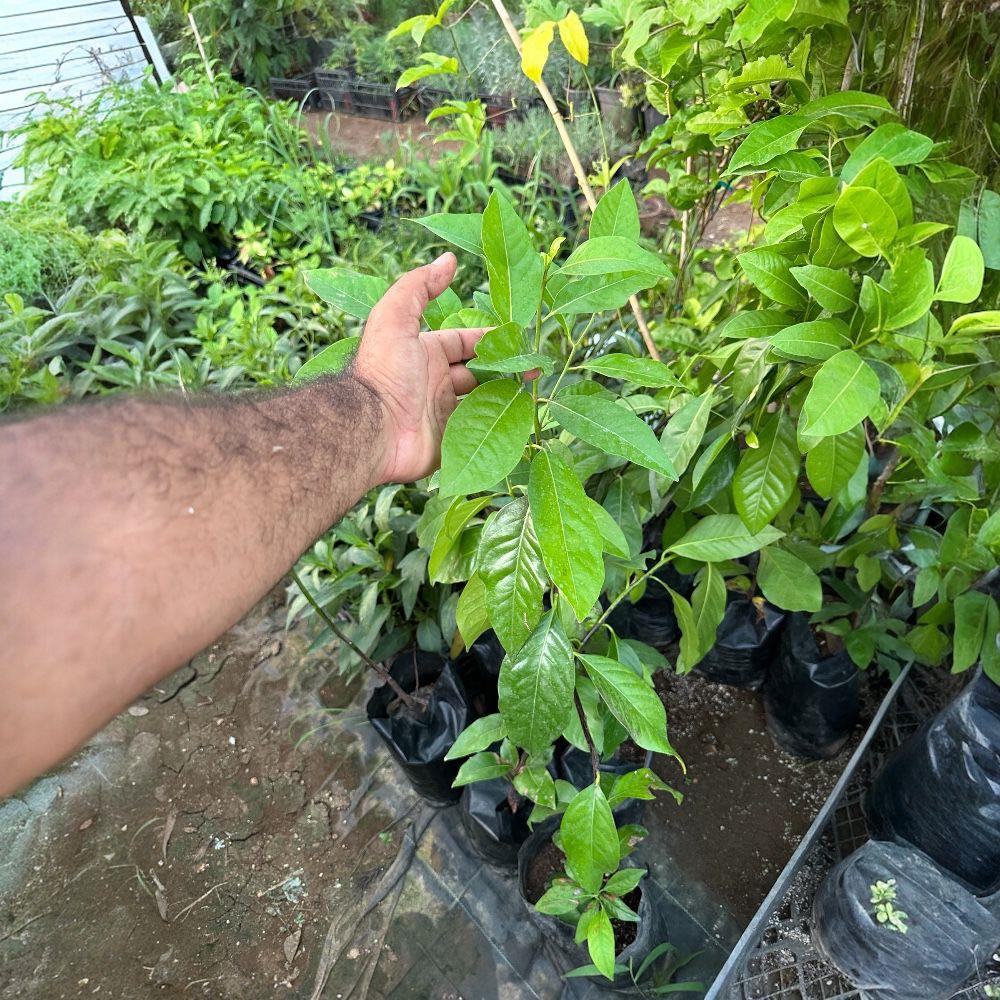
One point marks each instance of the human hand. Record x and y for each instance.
(417, 377)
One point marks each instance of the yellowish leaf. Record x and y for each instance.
(574, 38)
(535, 50)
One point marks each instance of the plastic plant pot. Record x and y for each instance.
(538, 861)
(651, 619)
(495, 820)
(418, 743)
(940, 791)
(335, 88)
(811, 700)
(301, 89)
(746, 643)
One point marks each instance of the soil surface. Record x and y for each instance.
(747, 803)
(373, 139)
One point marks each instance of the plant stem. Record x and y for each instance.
(407, 699)
(595, 761)
(661, 562)
(574, 158)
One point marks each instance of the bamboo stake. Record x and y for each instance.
(581, 175)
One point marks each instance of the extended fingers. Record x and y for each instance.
(458, 345)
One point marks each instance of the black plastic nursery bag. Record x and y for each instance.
(651, 619)
(746, 643)
(949, 933)
(811, 701)
(495, 829)
(940, 791)
(420, 744)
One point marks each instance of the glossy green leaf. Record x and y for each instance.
(638, 371)
(830, 287)
(768, 139)
(605, 424)
(843, 393)
(894, 142)
(708, 606)
(455, 520)
(766, 475)
(505, 349)
(612, 534)
(881, 175)
(719, 537)
(567, 535)
(352, 293)
(585, 295)
(971, 614)
(460, 230)
(601, 943)
(481, 767)
(787, 582)
(771, 273)
(616, 214)
(832, 462)
(816, 340)
(330, 361)
(477, 736)
(437, 311)
(962, 272)
(864, 221)
(589, 838)
(909, 288)
(472, 617)
(852, 105)
(536, 686)
(512, 263)
(613, 255)
(485, 437)
(685, 430)
(631, 700)
(513, 573)
(754, 324)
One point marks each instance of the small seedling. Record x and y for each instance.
(883, 897)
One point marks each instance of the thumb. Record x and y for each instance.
(403, 304)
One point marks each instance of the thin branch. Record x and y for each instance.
(408, 700)
(581, 175)
(878, 487)
(595, 761)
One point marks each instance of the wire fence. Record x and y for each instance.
(51, 50)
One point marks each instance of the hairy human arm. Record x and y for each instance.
(133, 532)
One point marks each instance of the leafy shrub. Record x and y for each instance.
(39, 254)
(532, 139)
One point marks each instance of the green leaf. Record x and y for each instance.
(562, 898)
(787, 582)
(638, 371)
(881, 175)
(611, 533)
(894, 142)
(864, 221)
(352, 293)
(485, 437)
(625, 879)
(512, 263)
(567, 535)
(831, 288)
(962, 272)
(616, 214)
(754, 324)
(584, 295)
(513, 573)
(843, 393)
(437, 311)
(971, 613)
(434, 65)
(536, 686)
(460, 230)
(478, 735)
(768, 139)
(603, 423)
(831, 463)
(816, 340)
(601, 944)
(481, 767)
(719, 537)
(708, 606)
(455, 520)
(631, 700)
(589, 838)
(331, 360)
(613, 255)
(852, 105)
(909, 288)
(685, 430)
(505, 349)
(472, 617)
(766, 475)
(771, 273)
(638, 784)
